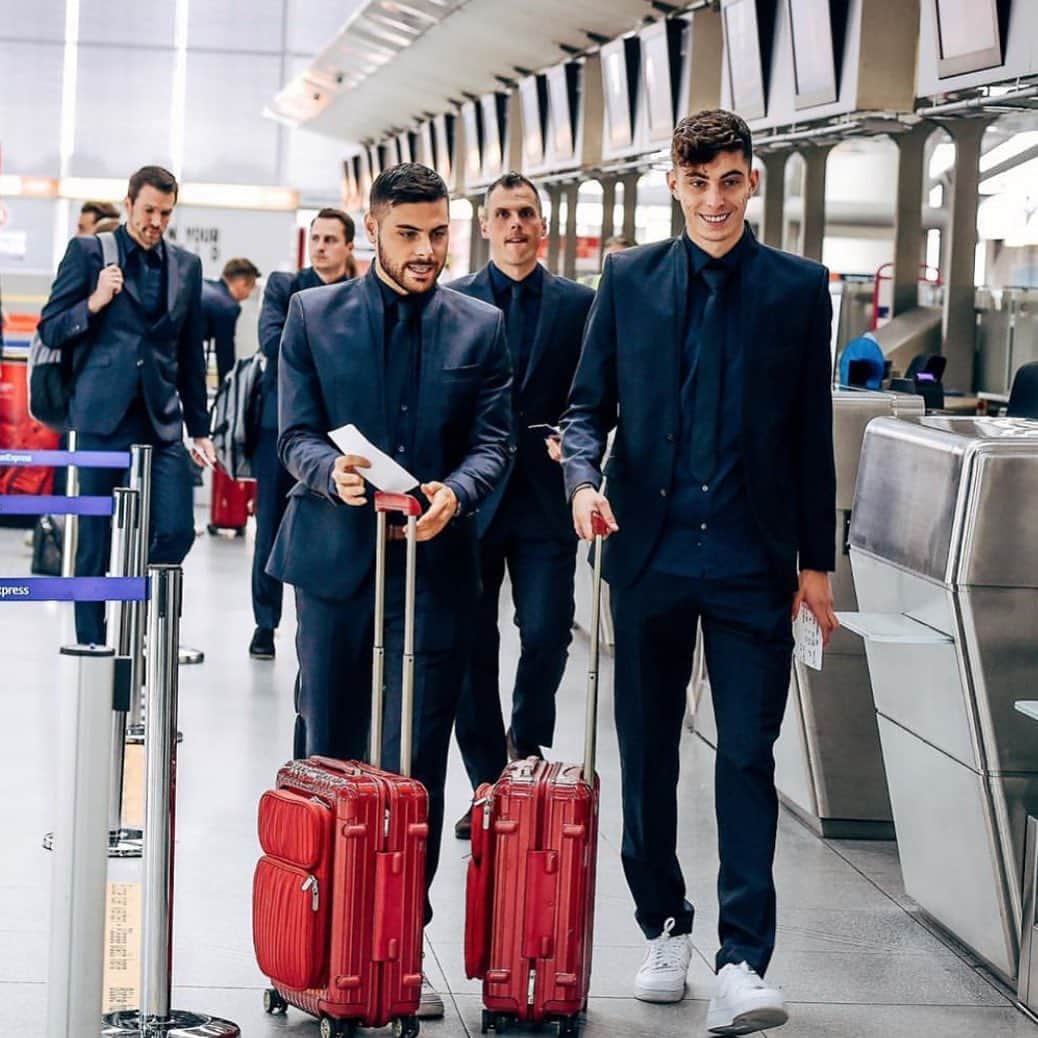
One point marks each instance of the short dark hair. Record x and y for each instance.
(701, 137)
(153, 176)
(330, 213)
(512, 180)
(620, 241)
(240, 267)
(99, 210)
(407, 182)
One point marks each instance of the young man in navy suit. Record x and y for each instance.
(423, 373)
(525, 525)
(709, 355)
(221, 307)
(135, 333)
(330, 246)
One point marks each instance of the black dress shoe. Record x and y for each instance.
(463, 826)
(262, 645)
(521, 750)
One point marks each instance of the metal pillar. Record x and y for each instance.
(812, 231)
(608, 204)
(155, 1017)
(908, 216)
(960, 329)
(555, 197)
(774, 197)
(69, 544)
(79, 865)
(126, 531)
(569, 255)
(630, 183)
(140, 480)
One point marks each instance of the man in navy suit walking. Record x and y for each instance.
(709, 355)
(525, 525)
(135, 333)
(423, 373)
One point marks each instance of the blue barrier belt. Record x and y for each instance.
(73, 589)
(32, 504)
(81, 459)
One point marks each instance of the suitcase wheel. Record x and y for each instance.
(567, 1025)
(337, 1028)
(239, 531)
(273, 1002)
(496, 1022)
(407, 1027)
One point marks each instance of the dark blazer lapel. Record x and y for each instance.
(431, 364)
(753, 300)
(482, 288)
(173, 261)
(372, 296)
(675, 335)
(550, 296)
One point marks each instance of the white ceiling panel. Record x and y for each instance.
(237, 25)
(42, 20)
(128, 23)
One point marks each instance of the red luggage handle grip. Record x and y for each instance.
(599, 527)
(405, 504)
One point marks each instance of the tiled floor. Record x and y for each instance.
(853, 958)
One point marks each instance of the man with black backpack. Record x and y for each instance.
(133, 330)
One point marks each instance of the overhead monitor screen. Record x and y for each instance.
(374, 160)
(426, 147)
(533, 97)
(491, 138)
(661, 60)
(745, 67)
(814, 53)
(561, 94)
(443, 128)
(968, 36)
(616, 75)
(472, 117)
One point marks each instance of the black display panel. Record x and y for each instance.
(970, 35)
(494, 118)
(426, 146)
(818, 28)
(621, 60)
(562, 94)
(443, 142)
(374, 160)
(365, 178)
(472, 117)
(748, 30)
(533, 97)
(663, 47)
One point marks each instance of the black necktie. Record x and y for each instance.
(709, 371)
(514, 328)
(399, 361)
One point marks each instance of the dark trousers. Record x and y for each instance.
(273, 482)
(172, 525)
(333, 693)
(541, 571)
(748, 644)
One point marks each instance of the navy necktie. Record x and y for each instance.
(514, 329)
(709, 374)
(399, 361)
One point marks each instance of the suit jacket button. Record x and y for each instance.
(663, 492)
(670, 437)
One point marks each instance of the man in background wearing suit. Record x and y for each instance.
(525, 525)
(423, 373)
(135, 333)
(221, 307)
(709, 354)
(330, 245)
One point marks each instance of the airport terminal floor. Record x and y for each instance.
(855, 958)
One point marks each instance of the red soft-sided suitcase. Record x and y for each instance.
(231, 504)
(339, 895)
(531, 881)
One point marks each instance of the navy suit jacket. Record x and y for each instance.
(221, 312)
(121, 348)
(541, 399)
(332, 373)
(629, 377)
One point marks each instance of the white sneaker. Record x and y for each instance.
(661, 976)
(430, 1006)
(743, 1003)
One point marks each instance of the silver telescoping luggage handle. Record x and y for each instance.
(409, 506)
(599, 528)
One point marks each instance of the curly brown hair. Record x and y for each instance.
(699, 138)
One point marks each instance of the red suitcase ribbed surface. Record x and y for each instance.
(540, 850)
(232, 501)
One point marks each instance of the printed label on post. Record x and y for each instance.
(122, 947)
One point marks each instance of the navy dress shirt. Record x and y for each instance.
(710, 532)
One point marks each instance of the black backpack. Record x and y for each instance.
(235, 419)
(52, 372)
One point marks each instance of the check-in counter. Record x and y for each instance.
(828, 765)
(944, 552)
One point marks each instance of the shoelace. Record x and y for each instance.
(667, 951)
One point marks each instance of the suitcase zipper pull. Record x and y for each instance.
(310, 883)
(385, 825)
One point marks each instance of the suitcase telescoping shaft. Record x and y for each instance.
(339, 896)
(531, 882)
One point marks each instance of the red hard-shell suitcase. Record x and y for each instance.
(232, 502)
(530, 891)
(339, 895)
